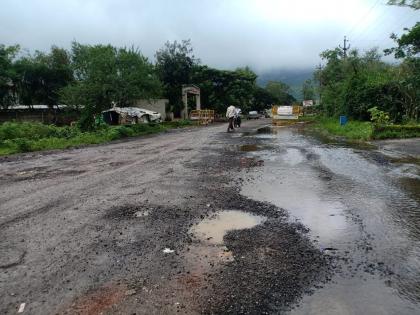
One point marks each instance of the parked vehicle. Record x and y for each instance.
(253, 115)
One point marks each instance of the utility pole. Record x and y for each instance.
(346, 47)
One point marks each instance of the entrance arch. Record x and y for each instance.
(193, 90)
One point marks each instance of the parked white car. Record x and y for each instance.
(253, 115)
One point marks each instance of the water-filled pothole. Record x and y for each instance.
(213, 229)
(249, 148)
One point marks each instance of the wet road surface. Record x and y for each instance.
(199, 221)
(360, 205)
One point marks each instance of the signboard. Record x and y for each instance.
(308, 103)
(285, 110)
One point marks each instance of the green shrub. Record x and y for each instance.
(396, 131)
(354, 130)
(378, 117)
(18, 137)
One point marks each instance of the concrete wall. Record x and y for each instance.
(157, 105)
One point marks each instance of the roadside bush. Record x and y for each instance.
(26, 130)
(24, 137)
(354, 130)
(396, 131)
(378, 117)
(19, 144)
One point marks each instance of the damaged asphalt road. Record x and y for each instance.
(84, 231)
(145, 227)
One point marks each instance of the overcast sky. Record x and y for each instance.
(264, 34)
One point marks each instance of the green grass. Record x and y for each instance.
(363, 130)
(396, 131)
(353, 130)
(27, 137)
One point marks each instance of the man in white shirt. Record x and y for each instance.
(230, 114)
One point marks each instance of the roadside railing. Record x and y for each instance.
(202, 116)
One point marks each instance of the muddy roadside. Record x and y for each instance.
(112, 229)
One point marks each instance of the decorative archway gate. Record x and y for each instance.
(193, 90)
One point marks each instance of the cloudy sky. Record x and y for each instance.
(265, 34)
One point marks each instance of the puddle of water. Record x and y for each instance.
(265, 136)
(347, 198)
(213, 229)
(297, 193)
(338, 298)
(248, 148)
(293, 156)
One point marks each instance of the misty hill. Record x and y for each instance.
(294, 78)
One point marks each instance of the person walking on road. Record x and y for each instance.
(230, 115)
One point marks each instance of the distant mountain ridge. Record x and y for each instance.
(293, 78)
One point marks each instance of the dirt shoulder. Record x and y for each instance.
(402, 146)
(84, 231)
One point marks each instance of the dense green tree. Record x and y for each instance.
(263, 99)
(354, 84)
(105, 75)
(308, 90)
(408, 43)
(8, 75)
(41, 76)
(221, 88)
(281, 92)
(174, 65)
(415, 4)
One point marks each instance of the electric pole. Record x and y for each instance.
(346, 47)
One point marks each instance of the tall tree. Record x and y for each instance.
(408, 43)
(281, 91)
(262, 99)
(221, 88)
(8, 75)
(414, 4)
(174, 65)
(42, 75)
(308, 90)
(106, 74)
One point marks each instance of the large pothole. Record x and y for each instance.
(213, 229)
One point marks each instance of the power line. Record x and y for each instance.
(385, 33)
(363, 17)
(378, 21)
(386, 28)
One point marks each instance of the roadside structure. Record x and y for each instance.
(129, 116)
(284, 115)
(192, 90)
(155, 105)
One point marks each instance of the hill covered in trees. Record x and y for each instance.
(294, 78)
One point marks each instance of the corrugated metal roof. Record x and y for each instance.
(36, 106)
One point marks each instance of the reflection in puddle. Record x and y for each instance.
(253, 148)
(293, 156)
(212, 230)
(297, 193)
(355, 204)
